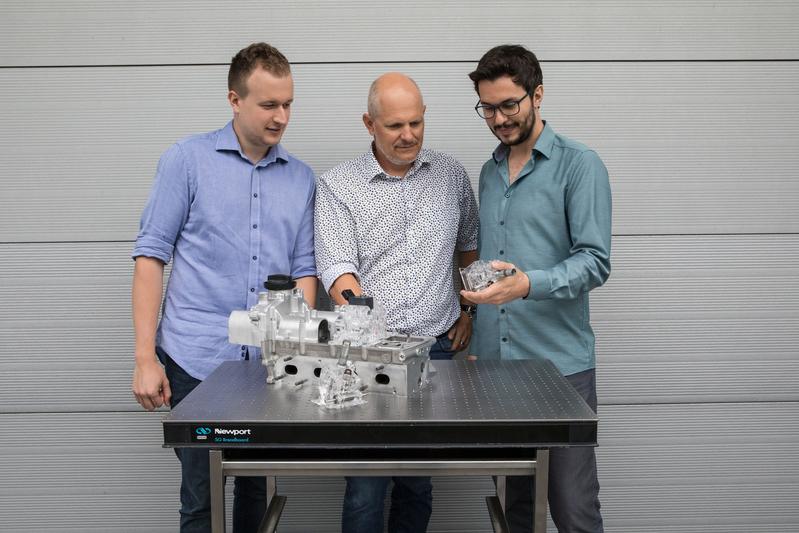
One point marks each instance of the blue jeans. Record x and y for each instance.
(411, 505)
(411, 497)
(249, 493)
(573, 485)
(442, 348)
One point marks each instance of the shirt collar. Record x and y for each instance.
(372, 168)
(543, 145)
(227, 141)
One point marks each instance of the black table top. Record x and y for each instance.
(486, 404)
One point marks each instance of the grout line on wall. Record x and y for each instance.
(743, 234)
(416, 62)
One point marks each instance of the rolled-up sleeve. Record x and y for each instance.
(335, 241)
(302, 259)
(167, 208)
(588, 206)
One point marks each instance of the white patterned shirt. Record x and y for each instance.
(398, 235)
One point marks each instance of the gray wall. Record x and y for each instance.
(692, 105)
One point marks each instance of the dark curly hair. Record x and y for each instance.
(512, 60)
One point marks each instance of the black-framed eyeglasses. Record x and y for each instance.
(508, 108)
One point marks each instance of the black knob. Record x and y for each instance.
(358, 300)
(279, 282)
(362, 300)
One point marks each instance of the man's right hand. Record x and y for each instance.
(150, 386)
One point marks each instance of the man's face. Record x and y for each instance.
(398, 128)
(262, 116)
(514, 129)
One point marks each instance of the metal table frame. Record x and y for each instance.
(222, 467)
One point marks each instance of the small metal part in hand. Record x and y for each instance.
(480, 275)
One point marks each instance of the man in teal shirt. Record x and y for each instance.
(545, 209)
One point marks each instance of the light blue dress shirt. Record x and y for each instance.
(226, 224)
(553, 223)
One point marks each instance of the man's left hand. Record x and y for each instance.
(460, 333)
(502, 291)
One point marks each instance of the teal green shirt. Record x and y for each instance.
(553, 223)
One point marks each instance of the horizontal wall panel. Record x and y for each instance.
(728, 464)
(761, 379)
(767, 507)
(102, 32)
(672, 324)
(64, 386)
(77, 155)
(696, 467)
(699, 320)
(701, 424)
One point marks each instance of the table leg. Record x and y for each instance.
(497, 516)
(499, 481)
(272, 515)
(271, 488)
(274, 507)
(541, 491)
(217, 492)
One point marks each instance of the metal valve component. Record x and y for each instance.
(480, 275)
(304, 343)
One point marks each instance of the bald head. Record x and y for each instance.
(392, 85)
(395, 120)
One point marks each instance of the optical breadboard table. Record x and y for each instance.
(475, 417)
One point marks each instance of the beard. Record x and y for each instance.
(525, 125)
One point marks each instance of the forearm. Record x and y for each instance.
(342, 283)
(308, 285)
(568, 279)
(148, 284)
(465, 259)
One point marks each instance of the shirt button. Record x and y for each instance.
(502, 311)
(502, 252)
(254, 257)
(243, 348)
(255, 226)
(501, 222)
(255, 195)
(504, 339)
(507, 195)
(252, 289)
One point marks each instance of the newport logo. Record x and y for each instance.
(235, 432)
(203, 431)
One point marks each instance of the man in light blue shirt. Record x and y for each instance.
(229, 208)
(545, 209)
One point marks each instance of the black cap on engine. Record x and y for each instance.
(279, 282)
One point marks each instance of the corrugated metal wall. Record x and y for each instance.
(693, 105)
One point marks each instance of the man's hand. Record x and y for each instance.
(502, 291)
(461, 332)
(150, 385)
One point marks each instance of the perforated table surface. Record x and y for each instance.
(482, 404)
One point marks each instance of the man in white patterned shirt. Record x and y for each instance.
(388, 224)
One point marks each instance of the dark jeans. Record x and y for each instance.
(441, 349)
(249, 493)
(573, 485)
(411, 504)
(411, 497)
